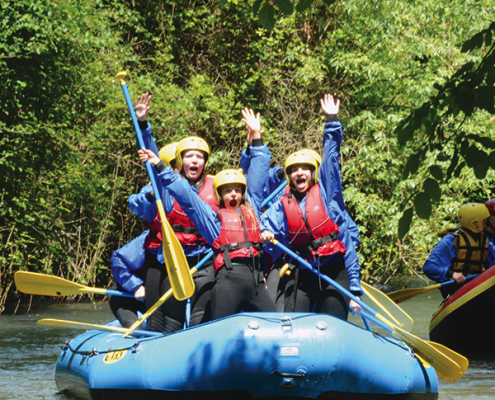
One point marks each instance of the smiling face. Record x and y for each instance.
(301, 177)
(193, 164)
(231, 194)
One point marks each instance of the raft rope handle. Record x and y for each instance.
(135, 347)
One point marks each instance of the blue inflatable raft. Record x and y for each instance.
(246, 356)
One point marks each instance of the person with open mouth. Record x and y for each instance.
(234, 231)
(311, 218)
(190, 163)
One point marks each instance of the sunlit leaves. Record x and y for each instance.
(469, 90)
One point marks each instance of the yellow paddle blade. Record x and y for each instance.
(405, 294)
(449, 365)
(177, 267)
(49, 285)
(392, 311)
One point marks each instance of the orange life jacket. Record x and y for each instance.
(239, 237)
(184, 229)
(315, 235)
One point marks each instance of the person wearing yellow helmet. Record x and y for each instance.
(191, 158)
(233, 232)
(167, 155)
(312, 219)
(462, 251)
(128, 262)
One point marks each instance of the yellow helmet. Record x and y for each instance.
(302, 157)
(167, 153)
(315, 155)
(472, 215)
(191, 143)
(228, 176)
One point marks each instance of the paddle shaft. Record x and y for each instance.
(468, 278)
(273, 194)
(448, 367)
(406, 294)
(140, 140)
(327, 279)
(81, 325)
(108, 292)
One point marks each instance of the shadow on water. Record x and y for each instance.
(28, 352)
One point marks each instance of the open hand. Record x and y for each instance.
(143, 106)
(253, 124)
(329, 105)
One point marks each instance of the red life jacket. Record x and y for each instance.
(238, 238)
(316, 234)
(184, 229)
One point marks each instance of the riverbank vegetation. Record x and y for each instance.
(415, 81)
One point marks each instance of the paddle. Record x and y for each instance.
(391, 310)
(273, 194)
(166, 296)
(405, 294)
(48, 285)
(449, 365)
(175, 259)
(81, 325)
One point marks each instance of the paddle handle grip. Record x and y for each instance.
(468, 278)
(118, 293)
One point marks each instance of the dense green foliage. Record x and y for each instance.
(405, 78)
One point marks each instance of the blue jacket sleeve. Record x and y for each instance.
(257, 178)
(353, 230)
(150, 144)
(332, 197)
(142, 204)
(245, 161)
(198, 211)
(149, 141)
(440, 259)
(128, 259)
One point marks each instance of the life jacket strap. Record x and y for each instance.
(305, 250)
(226, 248)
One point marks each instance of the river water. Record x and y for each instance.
(28, 351)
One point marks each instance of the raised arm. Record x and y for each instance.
(257, 176)
(331, 188)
